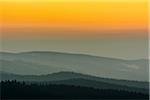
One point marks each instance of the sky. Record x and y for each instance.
(111, 28)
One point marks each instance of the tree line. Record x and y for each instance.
(21, 90)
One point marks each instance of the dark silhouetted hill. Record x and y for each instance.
(77, 79)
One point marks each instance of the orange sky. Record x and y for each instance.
(74, 18)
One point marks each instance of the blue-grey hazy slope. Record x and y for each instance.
(31, 63)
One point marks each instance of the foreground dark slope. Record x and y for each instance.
(98, 85)
(50, 62)
(17, 90)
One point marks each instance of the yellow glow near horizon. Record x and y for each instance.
(74, 0)
(74, 16)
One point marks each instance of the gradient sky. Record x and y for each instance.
(113, 28)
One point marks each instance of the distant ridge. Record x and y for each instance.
(66, 53)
